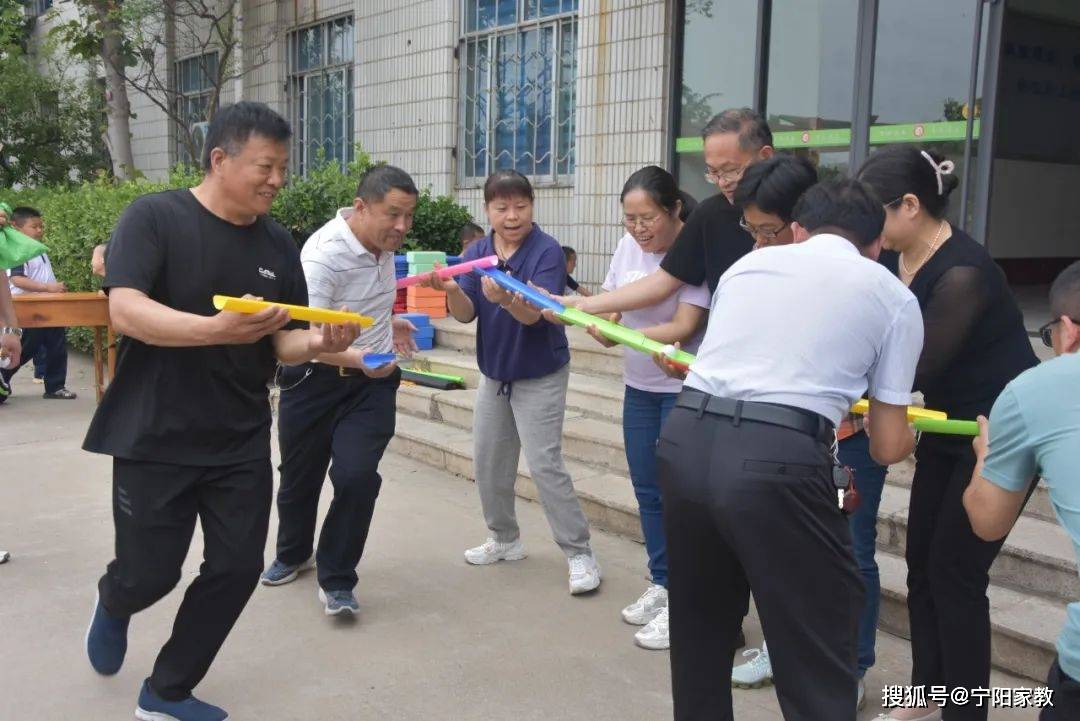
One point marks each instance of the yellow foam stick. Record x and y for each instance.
(297, 312)
(913, 412)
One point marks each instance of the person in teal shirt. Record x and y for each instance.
(1034, 429)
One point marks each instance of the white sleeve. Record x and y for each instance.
(320, 281)
(610, 282)
(696, 295)
(893, 374)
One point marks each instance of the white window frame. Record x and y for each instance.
(186, 97)
(298, 84)
(561, 23)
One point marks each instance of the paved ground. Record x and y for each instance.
(436, 639)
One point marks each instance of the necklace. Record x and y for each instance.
(929, 252)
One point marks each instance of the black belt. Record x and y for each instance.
(341, 371)
(796, 419)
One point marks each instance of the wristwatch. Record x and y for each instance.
(8, 330)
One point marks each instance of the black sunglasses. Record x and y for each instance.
(1045, 332)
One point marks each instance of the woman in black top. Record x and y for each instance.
(975, 343)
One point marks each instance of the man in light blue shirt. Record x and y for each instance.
(1034, 428)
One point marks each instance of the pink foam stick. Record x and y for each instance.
(489, 261)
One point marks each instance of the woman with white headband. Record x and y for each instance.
(975, 343)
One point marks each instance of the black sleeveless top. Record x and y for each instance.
(975, 341)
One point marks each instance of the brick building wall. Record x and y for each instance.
(406, 103)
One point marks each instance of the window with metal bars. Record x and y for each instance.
(195, 79)
(518, 66)
(320, 92)
(37, 8)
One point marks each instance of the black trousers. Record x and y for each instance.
(155, 506)
(752, 507)
(323, 417)
(54, 343)
(1066, 697)
(948, 574)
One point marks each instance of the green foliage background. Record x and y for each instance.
(78, 217)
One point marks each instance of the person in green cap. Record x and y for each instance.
(13, 251)
(10, 343)
(35, 275)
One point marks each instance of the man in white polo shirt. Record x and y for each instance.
(342, 416)
(750, 484)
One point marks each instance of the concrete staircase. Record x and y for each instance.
(1033, 578)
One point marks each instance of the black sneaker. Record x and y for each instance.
(63, 395)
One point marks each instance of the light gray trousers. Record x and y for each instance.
(527, 414)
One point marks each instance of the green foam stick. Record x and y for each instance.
(440, 376)
(950, 427)
(624, 336)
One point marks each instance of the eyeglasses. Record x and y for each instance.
(725, 176)
(1045, 333)
(892, 202)
(646, 222)
(764, 233)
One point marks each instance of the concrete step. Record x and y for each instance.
(586, 355)
(1024, 625)
(595, 396)
(601, 397)
(1038, 505)
(1037, 557)
(586, 439)
(607, 498)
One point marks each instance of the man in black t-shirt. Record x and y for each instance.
(711, 240)
(187, 418)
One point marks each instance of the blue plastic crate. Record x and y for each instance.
(420, 320)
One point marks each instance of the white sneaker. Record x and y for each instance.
(756, 672)
(643, 610)
(492, 551)
(584, 573)
(654, 636)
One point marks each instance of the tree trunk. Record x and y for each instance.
(117, 105)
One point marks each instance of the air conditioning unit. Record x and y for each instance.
(198, 134)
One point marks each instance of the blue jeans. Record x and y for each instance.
(644, 414)
(869, 479)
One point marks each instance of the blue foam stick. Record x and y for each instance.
(516, 286)
(377, 360)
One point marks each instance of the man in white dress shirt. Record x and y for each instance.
(343, 416)
(750, 485)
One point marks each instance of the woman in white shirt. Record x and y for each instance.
(652, 206)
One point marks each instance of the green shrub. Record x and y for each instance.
(78, 217)
(437, 224)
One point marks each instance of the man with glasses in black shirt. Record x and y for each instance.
(712, 238)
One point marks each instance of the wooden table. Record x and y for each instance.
(69, 310)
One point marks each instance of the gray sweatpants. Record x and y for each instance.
(527, 414)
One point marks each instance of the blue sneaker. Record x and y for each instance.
(338, 602)
(154, 708)
(106, 640)
(280, 573)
